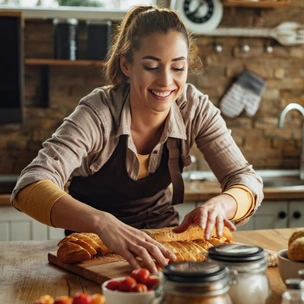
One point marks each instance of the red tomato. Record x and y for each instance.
(139, 287)
(81, 298)
(63, 300)
(152, 282)
(113, 285)
(127, 284)
(141, 275)
(98, 298)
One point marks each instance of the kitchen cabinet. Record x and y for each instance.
(17, 226)
(277, 214)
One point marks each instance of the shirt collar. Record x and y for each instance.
(174, 126)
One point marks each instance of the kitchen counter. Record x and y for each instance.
(26, 274)
(204, 190)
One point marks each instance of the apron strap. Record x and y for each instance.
(175, 171)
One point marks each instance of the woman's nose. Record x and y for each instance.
(165, 78)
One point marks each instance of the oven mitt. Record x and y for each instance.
(244, 94)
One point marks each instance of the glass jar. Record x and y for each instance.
(294, 293)
(194, 283)
(249, 264)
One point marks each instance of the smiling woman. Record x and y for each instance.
(127, 143)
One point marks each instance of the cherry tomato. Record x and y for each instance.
(127, 284)
(45, 299)
(139, 287)
(81, 298)
(141, 275)
(113, 285)
(98, 298)
(63, 300)
(152, 282)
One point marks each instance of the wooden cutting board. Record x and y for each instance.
(98, 269)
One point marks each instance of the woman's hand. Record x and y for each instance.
(213, 213)
(131, 243)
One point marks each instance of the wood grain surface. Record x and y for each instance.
(26, 274)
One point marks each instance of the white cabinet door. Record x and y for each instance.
(270, 215)
(17, 226)
(296, 214)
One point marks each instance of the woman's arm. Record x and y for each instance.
(122, 239)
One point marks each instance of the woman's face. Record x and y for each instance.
(158, 72)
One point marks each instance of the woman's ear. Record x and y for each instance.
(124, 65)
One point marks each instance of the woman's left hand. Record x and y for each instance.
(215, 212)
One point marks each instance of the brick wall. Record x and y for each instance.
(262, 142)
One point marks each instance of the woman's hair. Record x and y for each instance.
(138, 23)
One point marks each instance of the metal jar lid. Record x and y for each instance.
(236, 253)
(72, 21)
(194, 272)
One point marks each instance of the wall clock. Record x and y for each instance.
(199, 16)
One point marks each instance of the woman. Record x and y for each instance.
(125, 144)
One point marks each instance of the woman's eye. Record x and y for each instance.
(179, 69)
(150, 68)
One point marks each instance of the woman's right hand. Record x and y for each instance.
(130, 243)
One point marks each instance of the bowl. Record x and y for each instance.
(288, 269)
(120, 297)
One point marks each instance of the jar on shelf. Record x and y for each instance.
(195, 283)
(65, 38)
(249, 264)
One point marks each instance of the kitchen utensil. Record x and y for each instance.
(287, 33)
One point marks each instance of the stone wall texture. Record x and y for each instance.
(264, 144)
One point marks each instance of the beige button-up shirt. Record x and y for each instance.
(87, 138)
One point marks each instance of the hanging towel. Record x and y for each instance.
(244, 94)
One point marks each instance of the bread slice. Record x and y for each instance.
(217, 240)
(69, 253)
(102, 248)
(191, 248)
(187, 255)
(204, 244)
(179, 257)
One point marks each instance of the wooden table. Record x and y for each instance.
(25, 273)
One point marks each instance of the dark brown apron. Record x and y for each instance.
(144, 203)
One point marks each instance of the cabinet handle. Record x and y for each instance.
(282, 214)
(297, 214)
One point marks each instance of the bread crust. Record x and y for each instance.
(192, 233)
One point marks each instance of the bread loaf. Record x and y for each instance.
(187, 246)
(295, 250)
(192, 233)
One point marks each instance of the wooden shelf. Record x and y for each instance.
(257, 3)
(57, 62)
(46, 64)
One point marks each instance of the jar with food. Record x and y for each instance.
(195, 283)
(294, 293)
(249, 263)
